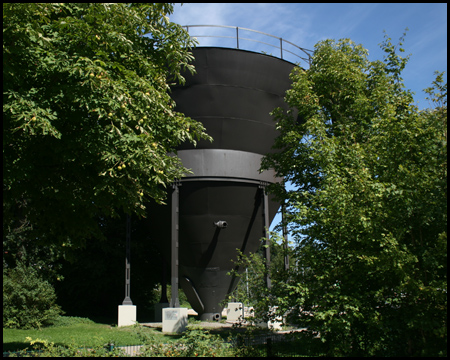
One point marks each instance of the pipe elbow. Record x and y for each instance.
(221, 224)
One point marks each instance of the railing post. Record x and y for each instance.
(237, 37)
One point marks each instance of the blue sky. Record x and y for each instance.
(307, 24)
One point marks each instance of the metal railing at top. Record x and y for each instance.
(304, 52)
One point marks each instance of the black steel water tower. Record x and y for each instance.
(222, 206)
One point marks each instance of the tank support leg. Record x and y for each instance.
(285, 237)
(174, 301)
(127, 300)
(266, 232)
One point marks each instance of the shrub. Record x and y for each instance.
(198, 342)
(194, 342)
(44, 348)
(28, 300)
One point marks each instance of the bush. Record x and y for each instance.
(194, 342)
(44, 348)
(198, 342)
(28, 300)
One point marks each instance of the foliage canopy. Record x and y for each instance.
(368, 208)
(88, 123)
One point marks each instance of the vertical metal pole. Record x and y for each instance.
(174, 301)
(285, 236)
(281, 47)
(246, 276)
(237, 37)
(266, 233)
(127, 300)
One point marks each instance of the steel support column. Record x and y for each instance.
(285, 237)
(174, 301)
(266, 231)
(127, 300)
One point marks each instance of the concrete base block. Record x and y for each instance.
(127, 315)
(275, 324)
(235, 311)
(158, 311)
(249, 312)
(174, 320)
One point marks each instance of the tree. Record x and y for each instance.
(28, 300)
(369, 206)
(252, 289)
(88, 123)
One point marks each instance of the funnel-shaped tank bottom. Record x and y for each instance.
(207, 296)
(211, 288)
(207, 251)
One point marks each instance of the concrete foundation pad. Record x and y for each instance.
(126, 315)
(235, 311)
(275, 325)
(174, 320)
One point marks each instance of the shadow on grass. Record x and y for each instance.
(103, 320)
(15, 346)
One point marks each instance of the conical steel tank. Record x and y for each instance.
(232, 94)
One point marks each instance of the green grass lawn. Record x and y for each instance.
(83, 334)
(78, 333)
